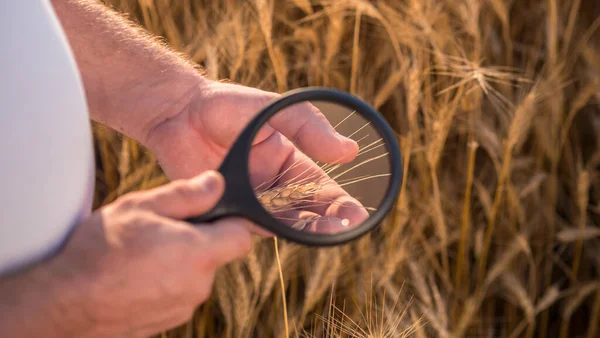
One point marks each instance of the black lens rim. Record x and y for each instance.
(239, 198)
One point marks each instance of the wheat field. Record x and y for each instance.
(495, 103)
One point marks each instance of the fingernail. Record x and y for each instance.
(207, 181)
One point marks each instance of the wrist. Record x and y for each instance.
(132, 81)
(44, 300)
(65, 298)
(151, 103)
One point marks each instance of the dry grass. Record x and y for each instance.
(496, 106)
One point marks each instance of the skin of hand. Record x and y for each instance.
(130, 270)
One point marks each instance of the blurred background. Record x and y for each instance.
(496, 106)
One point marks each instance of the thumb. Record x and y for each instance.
(186, 197)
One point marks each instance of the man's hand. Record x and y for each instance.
(130, 270)
(197, 137)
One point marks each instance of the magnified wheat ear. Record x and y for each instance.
(306, 189)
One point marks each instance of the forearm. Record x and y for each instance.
(132, 81)
(39, 302)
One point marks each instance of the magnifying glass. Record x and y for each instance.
(304, 200)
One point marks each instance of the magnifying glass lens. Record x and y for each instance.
(326, 179)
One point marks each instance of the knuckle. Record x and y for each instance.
(130, 200)
(319, 117)
(144, 221)
(300, 131)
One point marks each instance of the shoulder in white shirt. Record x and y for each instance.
(47, 167)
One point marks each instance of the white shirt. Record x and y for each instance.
(46, 149)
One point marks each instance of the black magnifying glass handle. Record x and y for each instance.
(238, 199)
(208, 217)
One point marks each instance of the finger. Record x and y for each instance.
(349, 210)
(224, 241)
(296, 219)
(326, 225)
(186, 198)
(267, 159)
(314, 223)
(276, 160)
(307, 127)
(276, 163)
(318, 192)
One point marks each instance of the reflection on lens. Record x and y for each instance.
(318, 181)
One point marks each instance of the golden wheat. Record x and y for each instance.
(495, 104)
